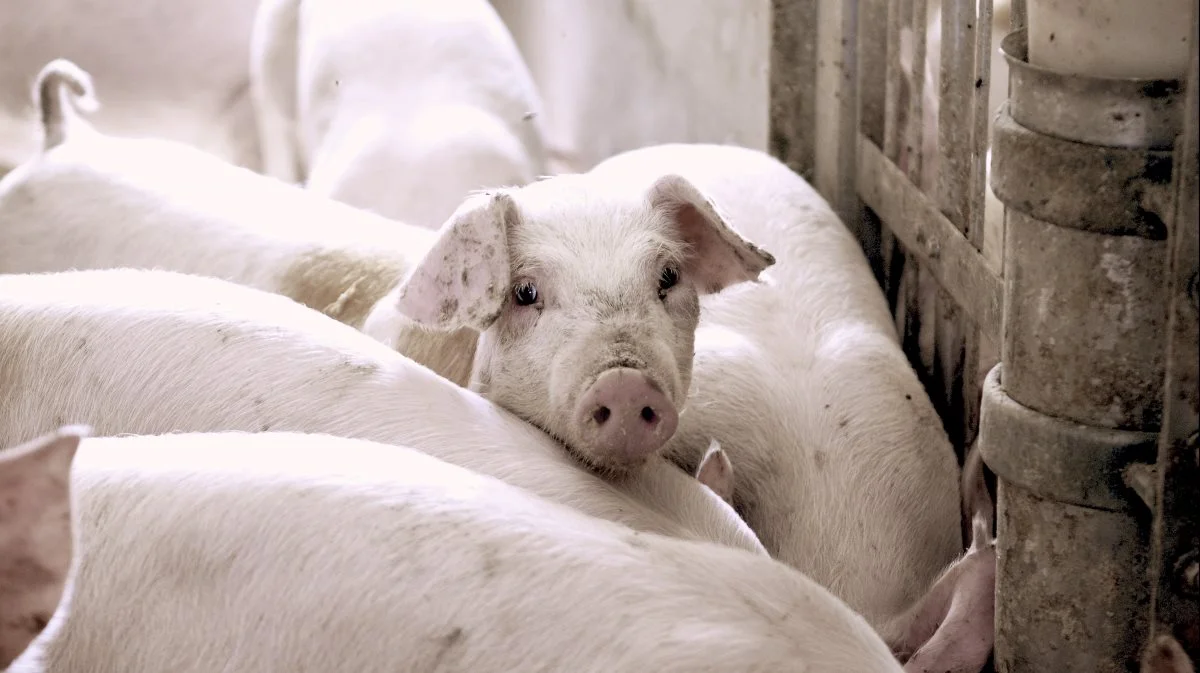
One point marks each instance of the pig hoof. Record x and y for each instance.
(624, 419)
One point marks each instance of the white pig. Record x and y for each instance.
(249, 553)
(563, 275)
(844, 470)
(91, 200)
(175, 69)
(800, 378)
(37, 540)
(402, 107)
(131, 351)
(615, 76)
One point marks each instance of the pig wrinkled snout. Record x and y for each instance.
(625, 418)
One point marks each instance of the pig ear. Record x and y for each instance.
(716, 472)
(36, 537)
(976, 498)
(719, 255)
(1166, 655)
(464, 279)
(951, 628)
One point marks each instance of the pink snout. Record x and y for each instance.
(625, 418)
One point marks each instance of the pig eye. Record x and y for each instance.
(525, 294)
(667, 279)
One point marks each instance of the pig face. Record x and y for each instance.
(586, 295)
(36, 538)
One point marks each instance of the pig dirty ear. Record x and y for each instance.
(464, 279)
(719, 256)
(36, 537)
(716, 472)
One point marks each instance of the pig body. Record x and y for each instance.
(402, 107)
(98, 201)
(419, 566)
(843, 468)
(37, 538)
(175, 69)
(153, 352)
(616, 76)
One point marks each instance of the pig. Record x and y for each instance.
(601, 284)
(615, 76)
(91, 200)
(401, 107)
(176, 69)
(37, 538)
(422, 566)
(586, 299)
(148, 352)
(799, 377)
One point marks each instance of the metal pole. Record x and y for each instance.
(1079, 163)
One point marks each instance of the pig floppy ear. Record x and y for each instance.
(719, 256)
(464, 279)
(36, 537)
(716, 472)
(951, 628)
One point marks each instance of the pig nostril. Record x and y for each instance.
(600, 415)
(648, 415)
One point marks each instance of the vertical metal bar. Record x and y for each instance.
(848, 205)
(970, 385)
(956, 129)
(835, 176)
(873, 45)
(793, 78)
(1175, 538)
(873, 68)
(895, 105)
(915, 131)
(979, 116)
(1019, 14)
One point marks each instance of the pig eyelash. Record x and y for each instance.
(667, 279)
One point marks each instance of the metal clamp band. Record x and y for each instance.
(1058, 459)
(1070, 184)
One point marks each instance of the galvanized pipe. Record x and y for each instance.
(1077, 396)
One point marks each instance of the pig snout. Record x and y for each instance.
(624, 417)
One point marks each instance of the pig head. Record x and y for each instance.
(586, 295)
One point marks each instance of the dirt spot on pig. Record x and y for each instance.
(820, 459)
(343, 285)
(450, 305)
(447, 644)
